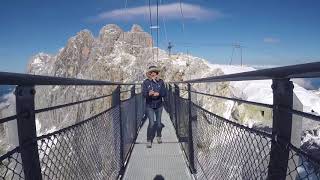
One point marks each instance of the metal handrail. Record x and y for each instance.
(233, 99)
(309, 70)
(266, 134)
(7, 119)
(7, 78)
(70, 104)
(10, 118)
(299, 113)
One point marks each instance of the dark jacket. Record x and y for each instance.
(156, 86)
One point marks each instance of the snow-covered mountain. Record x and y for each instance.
(116, 55)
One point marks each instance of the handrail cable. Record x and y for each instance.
(7, 119)
(232, 99)
(150, 19)
(157, 31)
(164, 25)
(70, 104)
(182, 15)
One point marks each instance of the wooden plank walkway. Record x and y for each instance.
(164, 159)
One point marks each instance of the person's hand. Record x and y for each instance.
(151, 93)
(156, 94)
(154, 77)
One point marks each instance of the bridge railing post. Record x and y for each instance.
(281, 130)
(116, 101)
(169, 100)
(190, 135)
(133, 95)
(176, 108)
(27, 133)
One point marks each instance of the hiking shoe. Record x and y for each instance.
(149, 144)
(159, 140)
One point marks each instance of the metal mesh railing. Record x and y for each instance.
(95, 148)
(129, 124)
(140, 109)
(89, 149)
(301, 165)
(182, 127)
(170, 104)
(11, 165)
(223, 149)
(178, 109)
(226, 150)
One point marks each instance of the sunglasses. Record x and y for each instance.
(154, 72)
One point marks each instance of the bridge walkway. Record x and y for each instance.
(165, 159)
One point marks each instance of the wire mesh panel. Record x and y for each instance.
(179, 114)
(301, 165)
(226, 150)
(11, 165)
(140, 105)
(88, 150)
(183, 124)
(129, 124)
(170, 105)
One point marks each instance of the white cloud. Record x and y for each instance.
(271, 40)
(169, 11)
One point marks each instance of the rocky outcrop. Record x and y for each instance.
(114, 55)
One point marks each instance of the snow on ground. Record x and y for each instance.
(260, 91)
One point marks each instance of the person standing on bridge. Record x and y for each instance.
(153, 90)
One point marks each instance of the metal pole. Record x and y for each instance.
(190, 136)
(27, 132)
(176, 102)
(169, 100)
(133, 95)
(241, 54)
(281, 130)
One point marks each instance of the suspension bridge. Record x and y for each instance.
(197, 143)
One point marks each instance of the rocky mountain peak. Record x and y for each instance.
(136, 28)
(110, 33)
(38, 61)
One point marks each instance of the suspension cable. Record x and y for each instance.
(151, 30)
(164, 25)
(182, 15)
(157, 31)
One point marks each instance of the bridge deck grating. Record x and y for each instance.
(164, 159)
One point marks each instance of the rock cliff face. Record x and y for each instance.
(114, 55)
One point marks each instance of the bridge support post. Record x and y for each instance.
(27, 133)
(116, 101)
(133, 95)
(169, 100)
(176, 108)
(281, 130)
(190, 135)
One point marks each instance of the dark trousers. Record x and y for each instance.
(155, 125)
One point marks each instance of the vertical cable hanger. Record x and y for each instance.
(164, 25)
(150, 19)
(157, 30)
(182, 15)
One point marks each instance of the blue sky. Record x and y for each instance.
(272, 32)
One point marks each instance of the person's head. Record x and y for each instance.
(153, 72)
(158, 177)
